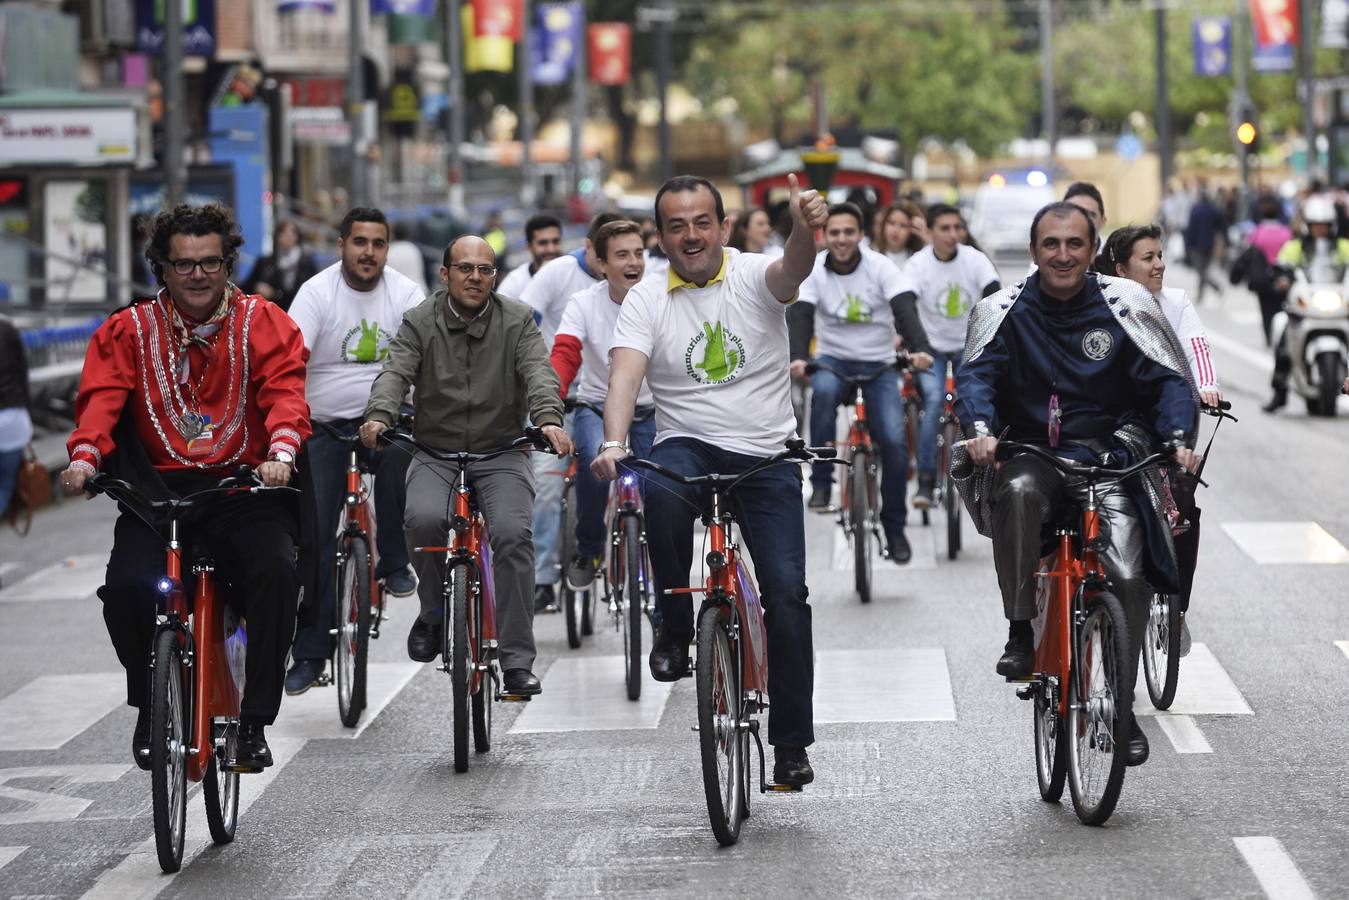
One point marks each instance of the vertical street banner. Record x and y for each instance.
(484, 54)
(557, 41)
(403, 7)
(1335, 24)
(499, 18)
(1276, 34)
(328, 7)
(1212, 45)
(198, 26)
(610, 45)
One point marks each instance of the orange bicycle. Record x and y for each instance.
(196, 681)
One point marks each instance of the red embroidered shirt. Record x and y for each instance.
(244, 389)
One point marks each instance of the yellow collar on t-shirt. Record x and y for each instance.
(673, 282)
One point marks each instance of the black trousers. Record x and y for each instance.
(251, 539)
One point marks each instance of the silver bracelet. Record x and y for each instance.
(610, 445)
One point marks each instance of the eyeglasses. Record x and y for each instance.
(210, 265)
(467, 269)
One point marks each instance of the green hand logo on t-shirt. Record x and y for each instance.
(371, 346)
(856, 312)
(722, 356)
(955, 305)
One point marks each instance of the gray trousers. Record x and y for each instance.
(1029, 493)
(504, 490)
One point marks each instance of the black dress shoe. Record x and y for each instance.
(791, 766)
(424, 641)
(1018, 658)
(521, 682)
(545, 600)
(669, 658)
(251, 753)
(1277, 402)
(140, 739)
(898, 546)
(1138, 747)
(819, 498)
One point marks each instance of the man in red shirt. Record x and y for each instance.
(198, 381)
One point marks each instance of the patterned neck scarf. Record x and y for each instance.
(188, 334)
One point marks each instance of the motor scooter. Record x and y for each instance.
(1316, 328)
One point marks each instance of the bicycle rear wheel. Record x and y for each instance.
(483, 696)
(720, 738)
(635, 609)
(353, 629)
(1051, 746)
(456, 659)
(169, 742)
(859, 521)
(1099, 719)
(1161, 650)
(220, 791)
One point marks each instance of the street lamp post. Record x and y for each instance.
(526, 129)
(1048, 114)
(175, 176)
(356, 102)
(1165, 148)
(454, 61)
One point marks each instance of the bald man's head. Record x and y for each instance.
(469, 272)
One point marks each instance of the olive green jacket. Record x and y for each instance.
(476, 382)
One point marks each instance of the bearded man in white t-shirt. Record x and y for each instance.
(711, 341)
(348, 313)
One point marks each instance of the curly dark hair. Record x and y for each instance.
(197, 221)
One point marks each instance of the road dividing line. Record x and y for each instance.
(586, 693)
(50, 710)
(138, 877)
(1287, 543)
(313, 714)
(9, 854)
(1275, 870)
(1183, 734)
(1205, 689)
(1344, 647)
(903, 685)
(73, 578)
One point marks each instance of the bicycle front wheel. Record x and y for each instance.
(1050, 746)
(1161, 650)
(457, 659)
(353, 629)
(220, 791)
(1099, 718)
(635, 608)
(169, 712)
(859, 521)
(723, 743)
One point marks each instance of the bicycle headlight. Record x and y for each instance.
(1327, 301)
(629, 480)
(164, 585)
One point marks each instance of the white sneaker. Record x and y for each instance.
(1184, 637)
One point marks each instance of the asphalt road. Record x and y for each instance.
(926, 779)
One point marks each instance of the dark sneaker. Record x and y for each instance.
(424, 640)
(581, 572)
(898, 546)
(927, 483)
(1138, 747)
(1277, 402)
(140, 739)
(545, 600)
(819, 498)
(1018, 658)
(669, 660)
(792, 766)
(306, 673)
(401, 583)
(251, 753)
(520, 682)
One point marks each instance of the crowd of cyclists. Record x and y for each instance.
(702, 318)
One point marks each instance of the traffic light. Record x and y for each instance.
(1248, 135)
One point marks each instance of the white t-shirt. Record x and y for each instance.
(1184, 319)
(947, 291)
(348, 333)
(716, 356)
(515, 282)
(406, 258)
(852, 312)
(590, 317)
(552, 286)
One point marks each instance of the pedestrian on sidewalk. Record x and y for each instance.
(16, 427)
(1203, 237)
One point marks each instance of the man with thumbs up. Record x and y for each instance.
(710, 338)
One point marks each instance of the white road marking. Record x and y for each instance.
(901, 685)
(1205, 689)
(9, 854)
(313, 714)
(138, 877)
(52, 805)
(456, 866)
(73, 578)
(1278, 875)
(1262, 360)
(1184, 734)
(50, 710)
(5, 569)
(586, 693)
(1287, 543)
(1344, 647)
(922, 539)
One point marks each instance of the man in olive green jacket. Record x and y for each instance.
(480, 369)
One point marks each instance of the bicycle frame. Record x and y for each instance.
(730, 585)
(470, 549)
(625, 500)
(357, 518)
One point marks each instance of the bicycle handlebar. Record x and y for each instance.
(901, 362)
(570, 405)
(242, 480)
(797, 452)
(1091, 473)
(532, 439)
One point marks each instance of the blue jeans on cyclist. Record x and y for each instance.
(328, 464)
(932, 386)
(772, 522)
(592, 495)
(885, 419)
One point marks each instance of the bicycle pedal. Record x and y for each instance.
(242, 770)
(775, 788)
(515, 698)
(324, 680)
(1025, 693)
(1029, 679)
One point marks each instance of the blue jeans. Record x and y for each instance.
(592, 495)
(548, 474)
(885, 418)
(328, 465)
(932, 385)
(9, 472)
(772, 522)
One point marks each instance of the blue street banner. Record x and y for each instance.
(557, 41)
(403, 7)
(1212, 45)
(292, 6)
(198, 26)
(1272, 57)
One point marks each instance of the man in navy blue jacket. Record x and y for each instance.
(1085, 366)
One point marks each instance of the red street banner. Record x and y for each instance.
(499, 18)
(610, 52)
(1276, 22)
